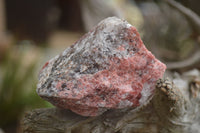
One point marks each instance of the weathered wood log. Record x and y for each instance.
(170, 110)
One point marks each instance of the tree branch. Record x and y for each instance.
(192, 17)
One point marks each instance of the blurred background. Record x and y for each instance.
(34, 31)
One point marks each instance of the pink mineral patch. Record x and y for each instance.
(108, 68)
(45, 65)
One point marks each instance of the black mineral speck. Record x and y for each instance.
(64, 85)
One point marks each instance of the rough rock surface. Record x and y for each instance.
(108, 68)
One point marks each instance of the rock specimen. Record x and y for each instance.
(108, 68)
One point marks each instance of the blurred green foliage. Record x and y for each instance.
(17, 86)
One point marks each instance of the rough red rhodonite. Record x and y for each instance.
(108, 68)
